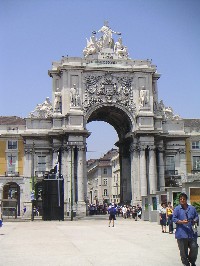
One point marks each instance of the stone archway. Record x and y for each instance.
(106, 85)
(11, 199)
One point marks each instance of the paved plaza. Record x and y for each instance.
(87, 242)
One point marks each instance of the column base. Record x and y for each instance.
(81, 209)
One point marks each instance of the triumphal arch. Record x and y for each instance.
(105, 85)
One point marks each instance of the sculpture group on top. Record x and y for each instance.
(165, 112)
(95, 46)
(43, 110)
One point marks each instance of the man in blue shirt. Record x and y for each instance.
(185, 216)
(112, 211)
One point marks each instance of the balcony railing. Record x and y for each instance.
(172, 181)
(171, 172)
(11, 173)
(195, 171)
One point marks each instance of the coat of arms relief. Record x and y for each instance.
(109, 89)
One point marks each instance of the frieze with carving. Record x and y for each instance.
(109, 89)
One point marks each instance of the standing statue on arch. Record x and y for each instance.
(106, 41)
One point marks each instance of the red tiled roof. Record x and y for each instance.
(192, 123)
(12, 120)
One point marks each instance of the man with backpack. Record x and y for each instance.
(112, 211)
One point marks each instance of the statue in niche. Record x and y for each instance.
(106, 41)
(144, 99)
(57, 101)
(120, 49)
(74, 96)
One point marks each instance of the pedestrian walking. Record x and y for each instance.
(112, 211)
(163, 219)
(1, 223)
(124, 211)
(185, 216)
(169, 213)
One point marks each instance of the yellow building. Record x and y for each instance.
(11, 164)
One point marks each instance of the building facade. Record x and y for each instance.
(104, 179)
(104, 85)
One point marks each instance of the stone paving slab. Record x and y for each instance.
(87, 242)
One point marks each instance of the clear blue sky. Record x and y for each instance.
(34, 33)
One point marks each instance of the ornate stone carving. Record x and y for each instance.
(43, 110)
(109, 89)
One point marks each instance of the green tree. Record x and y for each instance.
(197, 206)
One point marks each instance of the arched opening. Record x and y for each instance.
(103, 138)
(11, 199)
(105, 189)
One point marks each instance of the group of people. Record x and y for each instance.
(166, 214)
(125, 211)
(186, 218)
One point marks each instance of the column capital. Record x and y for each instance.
(151, 147)
(142, 147)
(133, 147)
(161, 149)
(182, 150)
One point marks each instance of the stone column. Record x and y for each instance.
(66, 172)
(182, 156)
(81, 207)
(135, 182)
(152, 171)
(27, 162)
(80, 172)
(143, 177)
(161, 169)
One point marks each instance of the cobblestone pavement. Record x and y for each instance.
(87, 242)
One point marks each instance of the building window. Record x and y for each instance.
(105, 181)
(11, 163)
(41, 163)
(196, 162)
(12, 145)
(105, 171)
(170, 163)
(105, 192)
(196, 145)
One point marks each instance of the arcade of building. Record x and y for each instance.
(157, 153)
